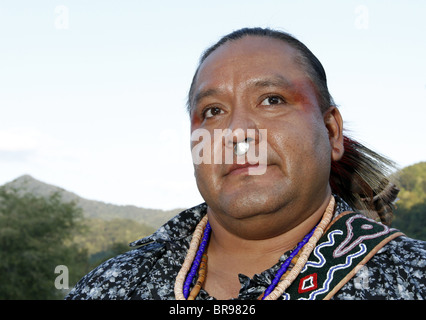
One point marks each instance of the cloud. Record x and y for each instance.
(23, 144)
(15, 155)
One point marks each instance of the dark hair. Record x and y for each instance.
(361, 177)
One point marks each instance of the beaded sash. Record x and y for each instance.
(348, 243)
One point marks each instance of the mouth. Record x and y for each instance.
(246, 169)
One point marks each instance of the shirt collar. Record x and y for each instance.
(180, 226)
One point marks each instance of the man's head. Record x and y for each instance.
(259, 79)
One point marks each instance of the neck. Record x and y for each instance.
(230, 254)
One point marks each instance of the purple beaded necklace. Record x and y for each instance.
(286, 263)
(275, 281)
(197, 260)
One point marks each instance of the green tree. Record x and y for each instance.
(36, 236)
(106, 233)
(412, 221)
(413, 185)
(410, 215)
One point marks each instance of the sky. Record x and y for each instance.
(93, 93)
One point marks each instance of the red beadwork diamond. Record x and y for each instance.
(308, 283)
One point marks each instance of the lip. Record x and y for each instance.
(236, 169)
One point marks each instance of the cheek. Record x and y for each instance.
(301, 142)
(207, 182)
(319, 158)
(317, 143)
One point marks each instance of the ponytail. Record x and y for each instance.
(361, 178)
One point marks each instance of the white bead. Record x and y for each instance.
(241, 148)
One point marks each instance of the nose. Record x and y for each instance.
(242, 133)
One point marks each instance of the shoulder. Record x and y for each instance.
(405, 246)
(116, 277)
(395, 272)
(402, 254)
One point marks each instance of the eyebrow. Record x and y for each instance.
(204, 94)
(274, 81)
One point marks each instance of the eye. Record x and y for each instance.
(211, 112)
(271, 100)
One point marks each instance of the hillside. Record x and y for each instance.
(410, 215)
(85, 234)
(94, 209)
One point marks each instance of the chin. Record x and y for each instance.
(251, 204)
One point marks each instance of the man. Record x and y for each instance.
(281, 226)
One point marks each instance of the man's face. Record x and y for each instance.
(255, 83)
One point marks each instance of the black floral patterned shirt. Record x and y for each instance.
(148, 272)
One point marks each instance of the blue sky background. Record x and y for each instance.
(92, 93)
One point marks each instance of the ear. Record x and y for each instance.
(334, 123)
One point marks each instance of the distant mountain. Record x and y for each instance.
(92, 208)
